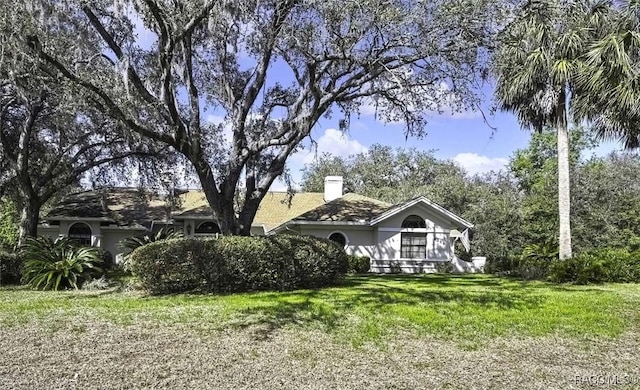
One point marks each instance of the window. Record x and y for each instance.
(80, 233)
(414, 221)
(339, 238)
(413, 246)
(208, 228)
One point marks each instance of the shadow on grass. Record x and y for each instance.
(379, 296)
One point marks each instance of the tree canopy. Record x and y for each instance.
(272, 69)
(51, 134)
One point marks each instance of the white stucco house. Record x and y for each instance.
(413, 236)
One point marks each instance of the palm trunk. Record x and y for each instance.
(564, 202)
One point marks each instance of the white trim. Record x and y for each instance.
(79, 222)
(318, 223)
(346, 238)
(425, 201)
(414, 230)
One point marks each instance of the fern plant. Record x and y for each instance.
(53, 265)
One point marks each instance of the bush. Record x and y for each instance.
(358, 264)
(233, 263)
(10, 268)
(444, 267)
(132, 243)
(533, 268)
(58, 264)
(505, 265)
(598, 266)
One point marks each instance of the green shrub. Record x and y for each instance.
(10, 268)
(536, 261)
(233, 263)
(58, 264)
(598, 266)
(168, 266)
(505, 265)
(132, 243)
(444, 267)
(358, 264)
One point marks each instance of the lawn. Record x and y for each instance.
(471, 331)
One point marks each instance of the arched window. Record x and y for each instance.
(414, 221)
(208, 229)
(80, 233)
(413, 245)
(339, 238)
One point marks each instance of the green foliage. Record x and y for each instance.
(598, 266)
(392, 175)
(234, 263)
(53, 265)
(132, 243)
(8, 225)
(444, 267)
(10, 268)
(358, 264)
(505, 265)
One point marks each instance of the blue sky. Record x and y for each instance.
(462, 137)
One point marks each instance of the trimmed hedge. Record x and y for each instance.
(598, 266)
(10, 268)
(233, 263)
(358, 264)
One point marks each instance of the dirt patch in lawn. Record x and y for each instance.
(99, 355)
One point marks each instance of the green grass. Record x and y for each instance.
(466, 309)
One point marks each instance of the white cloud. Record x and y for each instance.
(332, 141)
(476, 164)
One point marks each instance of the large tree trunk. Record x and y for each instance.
(564, 202)
(29, 219)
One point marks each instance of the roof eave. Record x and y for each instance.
(389, 213)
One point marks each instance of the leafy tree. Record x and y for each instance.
(50, 136)
(540, 56)
(8, 225)
(392, 175)
(271, 68)
(607, 202)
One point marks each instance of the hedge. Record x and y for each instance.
(10, 268)
(358, 264)
(233, 263)
(598, 266)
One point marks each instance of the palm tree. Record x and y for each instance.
(613, 64)
(540, 55)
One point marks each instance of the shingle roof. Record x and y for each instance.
(125, 206)
(275, 209)
(349, 208)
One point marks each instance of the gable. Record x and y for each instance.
(430, 210)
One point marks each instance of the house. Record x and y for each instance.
(413, 236)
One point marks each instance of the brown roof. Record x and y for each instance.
(125, 206)
(275, 209)
(348, 208)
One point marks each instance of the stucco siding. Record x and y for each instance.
(433, 221)
(360, 241)
(111, 239)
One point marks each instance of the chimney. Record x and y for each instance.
(332, 188)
